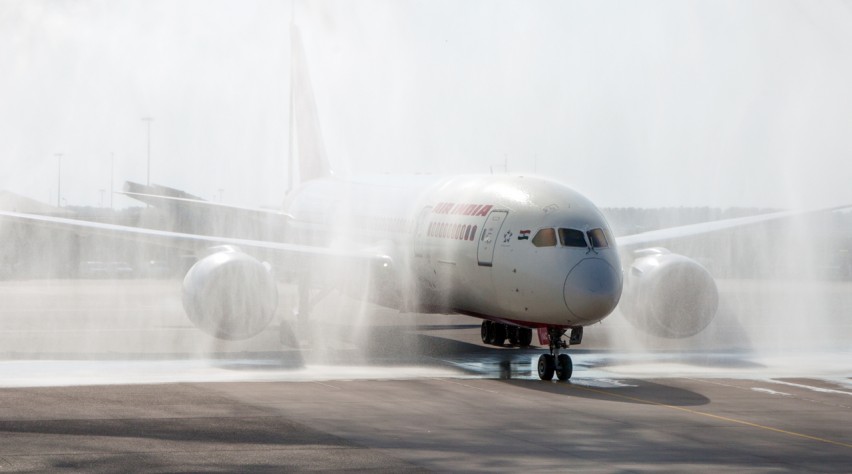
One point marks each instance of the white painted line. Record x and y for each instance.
(770, 391)
(808, 387)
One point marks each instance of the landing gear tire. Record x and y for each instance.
(499, 336)
(546, 366)
(493, 333)
(484, 331)
(564, 367)
(524, 337)
(512, 335)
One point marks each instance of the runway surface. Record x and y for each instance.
(110, 376)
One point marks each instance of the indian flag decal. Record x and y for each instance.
(524, 235)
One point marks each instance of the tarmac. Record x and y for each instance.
(109, 376)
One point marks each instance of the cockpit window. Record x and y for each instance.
(598, 238)
(545, 238)
(572, 238)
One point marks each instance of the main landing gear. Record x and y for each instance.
(306, 299)
(561, 364)
(496, 334)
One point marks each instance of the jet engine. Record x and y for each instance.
(229, 294)
(668, 295)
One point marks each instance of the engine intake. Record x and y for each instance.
(669, 295)
(229, 294)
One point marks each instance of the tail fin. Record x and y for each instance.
(305, 134)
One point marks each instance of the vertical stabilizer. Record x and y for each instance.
(307, 153)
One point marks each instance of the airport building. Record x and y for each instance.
(32, 251)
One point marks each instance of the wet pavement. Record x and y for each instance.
(106, 377)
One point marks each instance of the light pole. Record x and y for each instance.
(111, 177)
(148, 120)
(58, 178)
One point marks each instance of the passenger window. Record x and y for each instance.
(598, 238)
(545, 238)
(572, 238)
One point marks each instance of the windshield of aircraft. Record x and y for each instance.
(571, 238)
(598, 238)
(545, 238)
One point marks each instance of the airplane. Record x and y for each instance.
(522, 253)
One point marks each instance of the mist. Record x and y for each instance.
(663, 104)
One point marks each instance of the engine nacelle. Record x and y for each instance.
(230, 295)
(669, 295)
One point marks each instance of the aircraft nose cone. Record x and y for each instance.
(592, 289)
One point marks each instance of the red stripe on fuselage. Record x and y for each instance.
(514, 322)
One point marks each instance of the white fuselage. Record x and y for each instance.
(471, 244)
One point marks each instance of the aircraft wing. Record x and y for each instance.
(191, 242)
(158, 200)
(635, 241)
(193, 215)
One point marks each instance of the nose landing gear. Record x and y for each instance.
(551, 364)
(557, 363)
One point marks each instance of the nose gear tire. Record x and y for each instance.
(564, 367)
(546, 367)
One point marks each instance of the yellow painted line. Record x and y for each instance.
(710, 415)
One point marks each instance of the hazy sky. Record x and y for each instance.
(633, 103)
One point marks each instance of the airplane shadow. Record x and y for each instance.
(632, 391)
